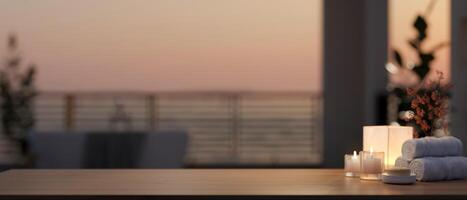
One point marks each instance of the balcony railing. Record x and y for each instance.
(225, 128)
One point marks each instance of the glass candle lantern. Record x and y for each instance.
(352, 164)
(372, 165)
(388, 139)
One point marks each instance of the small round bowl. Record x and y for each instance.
(399, 180)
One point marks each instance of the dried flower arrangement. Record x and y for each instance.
(429, 104)
(405, 71)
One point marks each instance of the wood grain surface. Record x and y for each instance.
(213, 184)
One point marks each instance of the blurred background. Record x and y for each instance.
(216, 83)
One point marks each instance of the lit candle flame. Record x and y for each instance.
(354, 153)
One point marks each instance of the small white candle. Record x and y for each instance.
(352, 164)
(372, 165)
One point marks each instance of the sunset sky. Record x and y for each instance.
(402, 13)
(154, 45)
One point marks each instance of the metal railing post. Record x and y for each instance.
(234, 103)
(69, 112)
(152, 111)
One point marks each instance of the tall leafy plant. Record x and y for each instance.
(17, 92)
(421, 68)
(425, 57)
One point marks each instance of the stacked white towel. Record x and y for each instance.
(439, 168)
(400, 162)
(432, 147)
(434, 159)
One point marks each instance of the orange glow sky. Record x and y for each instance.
(402, 14)
(153, 45)
(169, 44)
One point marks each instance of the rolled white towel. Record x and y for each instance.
(439, 168)
(401, 162)
(432, 147)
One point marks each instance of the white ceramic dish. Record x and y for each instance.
(401, 180)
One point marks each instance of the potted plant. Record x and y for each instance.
(404, 75)
(17, 92)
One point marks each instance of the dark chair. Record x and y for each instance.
(162, 149)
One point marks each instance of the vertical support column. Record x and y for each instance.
(355, 50)
(316, 127)
(69, 112)
(376, 54)
(459, 69)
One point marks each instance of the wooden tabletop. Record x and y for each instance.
(212, 184)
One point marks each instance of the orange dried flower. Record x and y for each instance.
(434, 97)
(429, 103)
